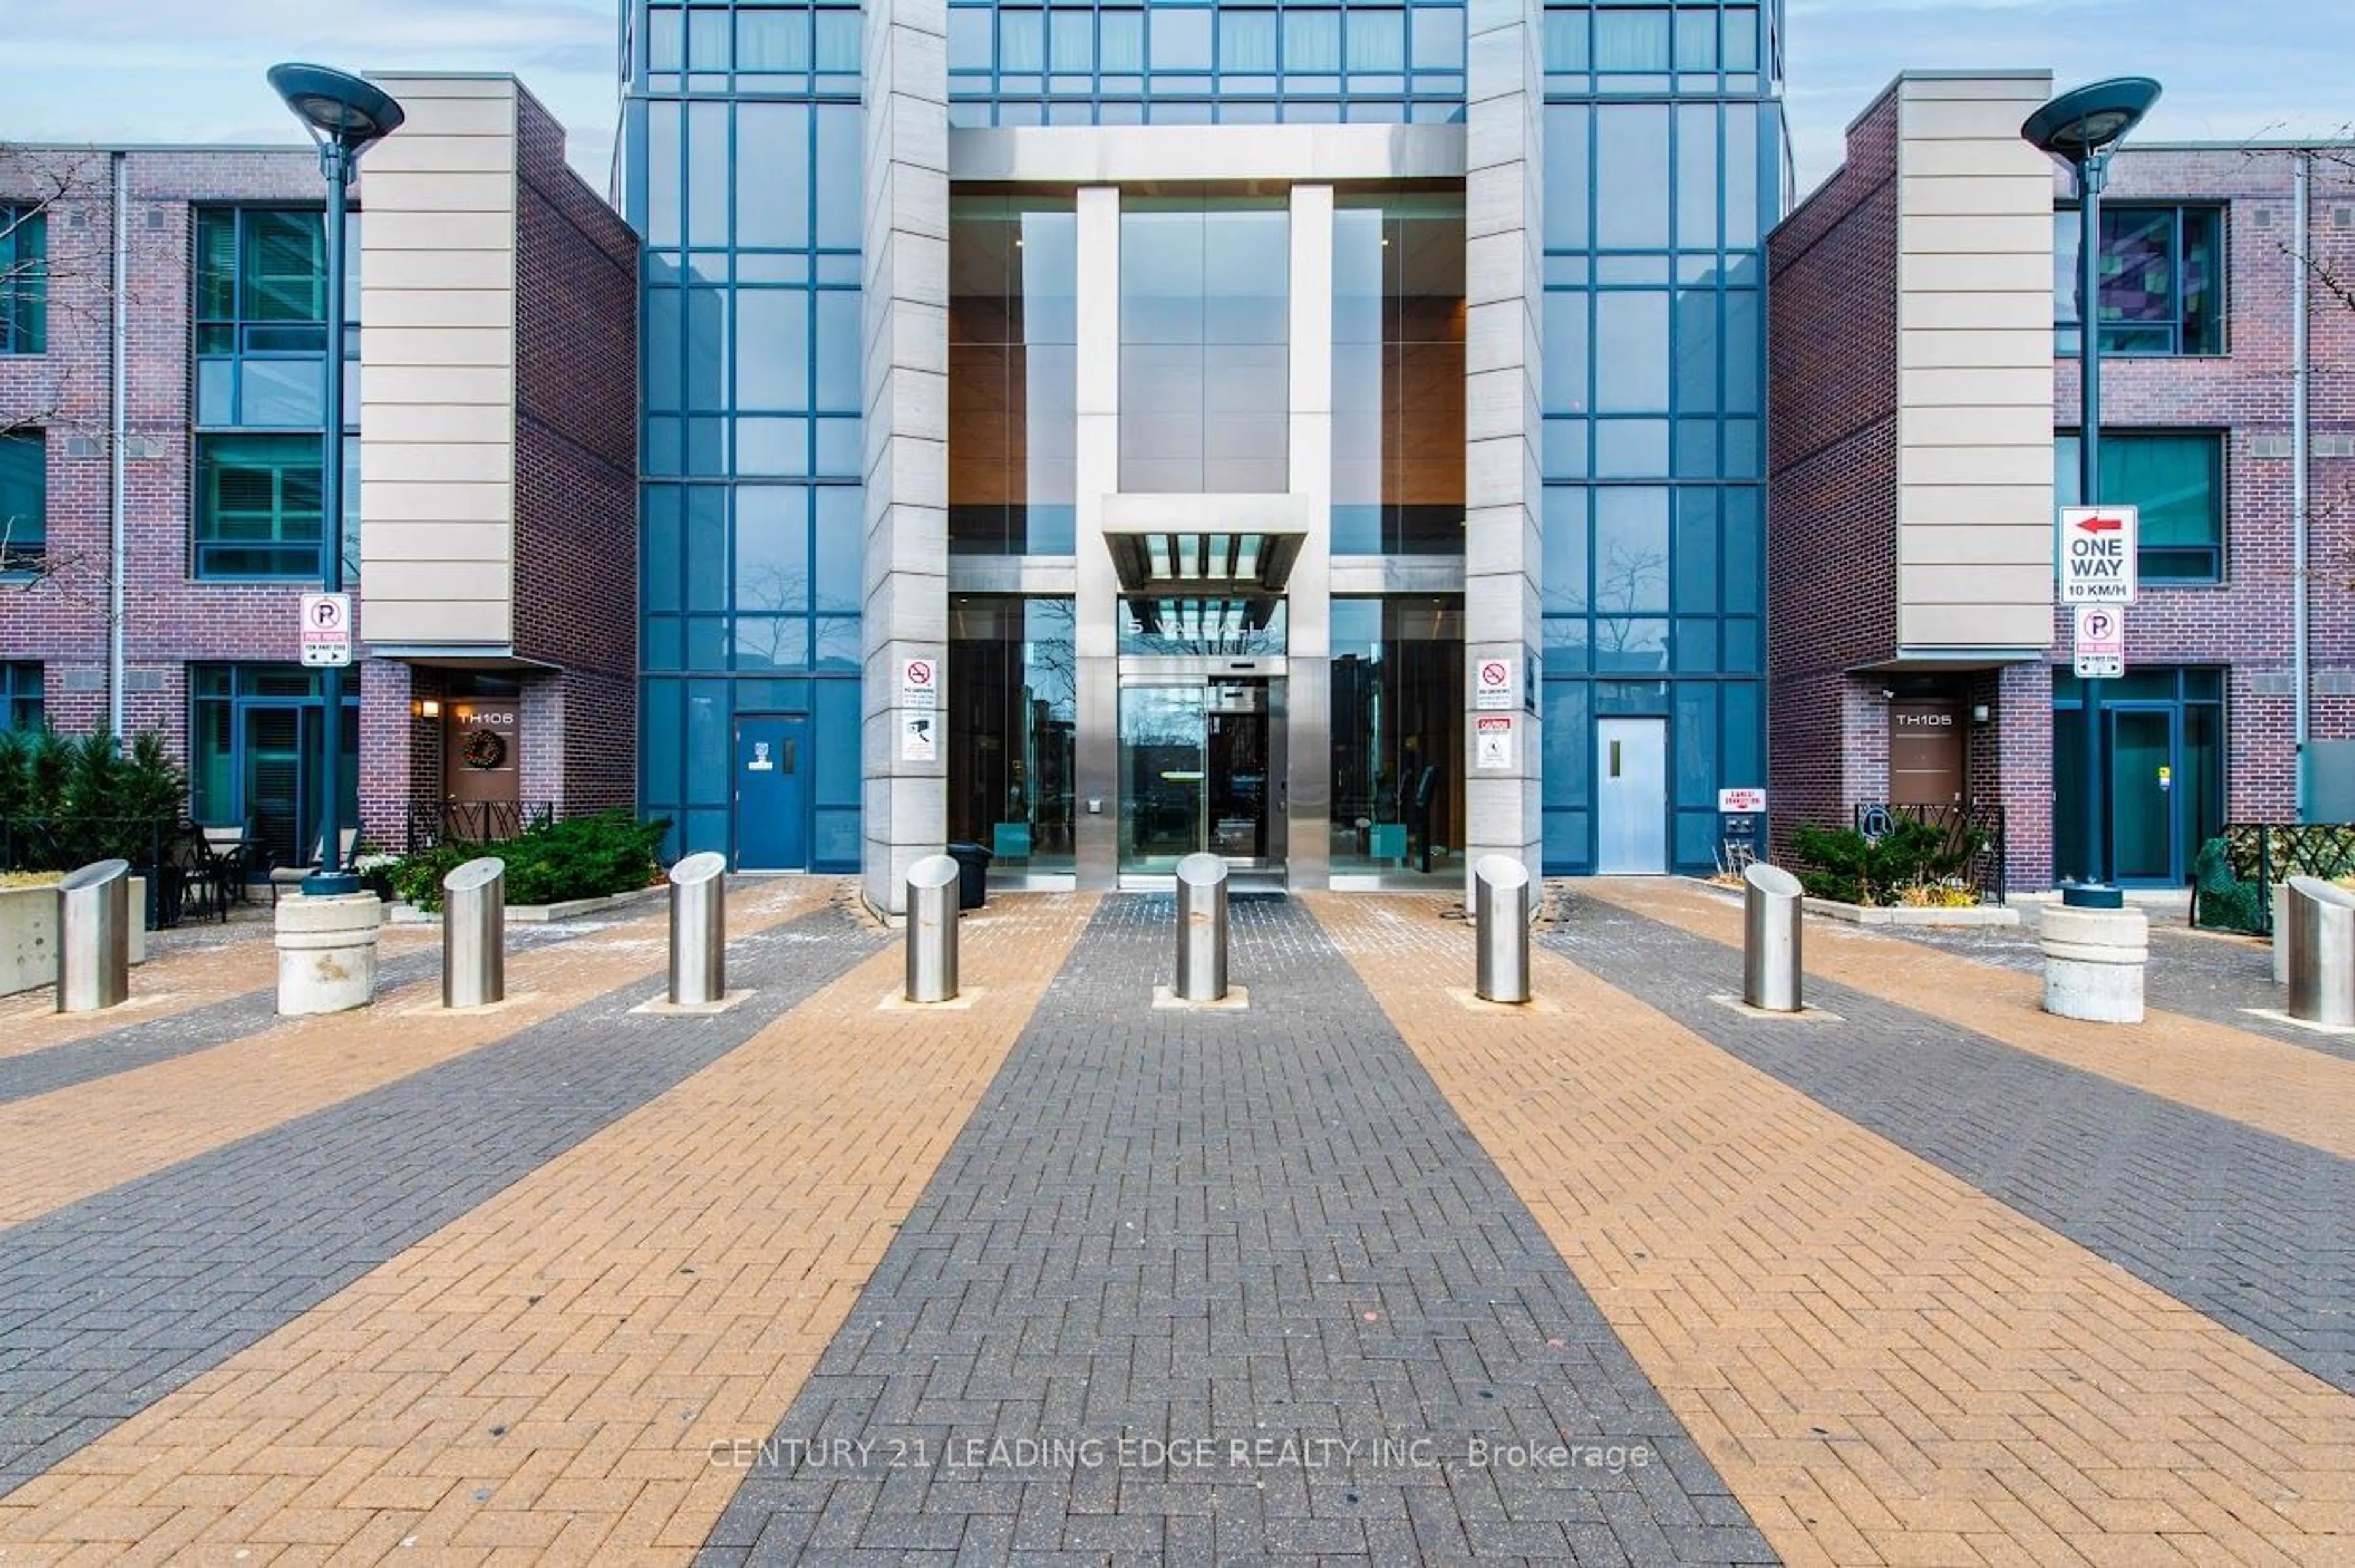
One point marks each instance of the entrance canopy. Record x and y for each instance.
(1205, 543)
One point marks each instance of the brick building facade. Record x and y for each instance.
(209, 648)
(1922, 428)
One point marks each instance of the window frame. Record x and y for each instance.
(2219, 498)
(24, 293)
(2068, 336)
(242, 330)
(18, 558)
(24, 701)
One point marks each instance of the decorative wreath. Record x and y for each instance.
(482, 749)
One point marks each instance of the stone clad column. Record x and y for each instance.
(905, 812)
(1503, 553)
(1096, 474)
(1308, 684)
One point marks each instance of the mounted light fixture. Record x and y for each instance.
(426, 708)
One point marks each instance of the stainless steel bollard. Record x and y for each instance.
(1202, 929)
(94, 937)
(1500, 918)
(1770, 938)
(2321, 953)
(698, 931)
(474, 934)
(933, 929)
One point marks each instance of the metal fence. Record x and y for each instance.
(60, 844)
(1973, 840)
(471, 822)
(2233, 880)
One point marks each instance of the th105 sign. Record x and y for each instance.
(2097, 554)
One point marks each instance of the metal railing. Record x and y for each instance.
(62, 843)
(2232, 888)
(1976, 848)
(432, 822)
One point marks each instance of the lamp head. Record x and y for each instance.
(2090, 119)
(337, 106)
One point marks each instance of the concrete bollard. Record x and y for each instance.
(474, 934)
(327, 952)
(698, 931)
(932, 885)
(2321, 947)
(1202, 929)
(2094, 962)
(1771, 967)
(94, 937)
(1500, 917)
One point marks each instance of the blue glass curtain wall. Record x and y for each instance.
(743, 159)
(1662, 160)
(1125, 63)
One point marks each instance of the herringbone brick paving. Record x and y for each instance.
(2254, 1230)
(316, 1338)
(2285, 1087)
(569, 1369)
(1886, 1364)
(108, 1303)
(1261, 1237)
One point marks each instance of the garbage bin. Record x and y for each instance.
(972, 873)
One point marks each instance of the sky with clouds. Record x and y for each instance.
(165, 70)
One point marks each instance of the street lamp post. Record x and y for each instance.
(345, 116)
(2081, 128)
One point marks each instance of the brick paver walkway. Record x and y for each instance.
(1368, 1272)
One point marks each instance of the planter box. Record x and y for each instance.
(1901, 914)
(1897, 914)
(539, 915)
(29, 935)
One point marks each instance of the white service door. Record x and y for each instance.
(1631, 801)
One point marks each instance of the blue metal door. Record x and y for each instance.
(772, 796)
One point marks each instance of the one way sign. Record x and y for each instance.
(2097, 554)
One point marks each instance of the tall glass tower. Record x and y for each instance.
(1326, 437)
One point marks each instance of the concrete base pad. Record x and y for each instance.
(1470, 1000)
(2275, 1015)
(327, 952)
(662, 1006)
(488, 1009)
(1806, 1015)
(1237, 998)
(898, 1002)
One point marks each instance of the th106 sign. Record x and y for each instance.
(2097, 554)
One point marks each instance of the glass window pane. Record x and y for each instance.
(1180, 41)
(707, 546)
(838, 40)
(1696, 39)
(707, 180)
(1697, 177)
(663, 175)
(1631, 177)
(1438, 37)
(1631, 357)
(1740, 38)
(772, 549)
(1120, 40)
(1742, 176)
(1376, 40)
(1631, 549)
(1312, 42)
(771, 40)
(1021, 41)
(840, 179)
(706, 40)
(1565, 548)
(841, 539)
(1567, 357)
(1695, 557)
(1567, 192)
(773, 348)
(773, 174)
(1631, 40)
(840, 351)
(1565, 40)
(665, 48)
(969, 42)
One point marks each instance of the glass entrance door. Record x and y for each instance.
(1196, 775)
(1161, 775)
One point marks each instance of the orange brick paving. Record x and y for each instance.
(58, 1147)
(189, 977)
(1886, 1365)
(545, 1379)
(2303, 1095)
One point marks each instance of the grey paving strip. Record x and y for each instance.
(1235, 1288)
(109, 1304)
(148, 1042)
(2216, 977)
(2256, 1231)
